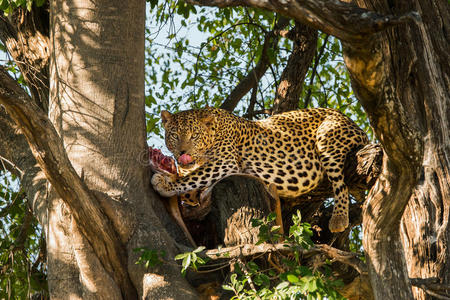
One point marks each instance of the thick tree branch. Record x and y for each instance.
(345, 21)
(253, 77)
(50, 154)
(291, 83)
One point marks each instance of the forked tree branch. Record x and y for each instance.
(51, 156)
(345, 21)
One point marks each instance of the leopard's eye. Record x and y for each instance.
(173, 137)
(194, 135)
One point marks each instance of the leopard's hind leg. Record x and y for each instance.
(332, 148)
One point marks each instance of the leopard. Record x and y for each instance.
(293, 150)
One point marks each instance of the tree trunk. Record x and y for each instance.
(97, 107)
(409, 109)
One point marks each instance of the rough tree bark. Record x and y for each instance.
(100, 207)
(25, 34)
(409, 108)
(400, 74)
(96, 104)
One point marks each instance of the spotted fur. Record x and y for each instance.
(293, 150)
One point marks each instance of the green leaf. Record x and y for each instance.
(186, 261)
(282, 285)
(292, 278)
(199, 249)
(181, 256)
(275, 228)
(227, 287)
(312, 285)
(256, 222)
(271, 217)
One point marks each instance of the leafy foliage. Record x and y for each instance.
(203, 70)
(196, 56)
(22, 247)
(298, 283)
(8, 6)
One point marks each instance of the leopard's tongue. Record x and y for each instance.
(185, 159)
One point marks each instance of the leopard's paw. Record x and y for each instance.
(338, 223)
(161, 183)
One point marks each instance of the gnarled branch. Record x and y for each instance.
(345, 21)
(25, 35)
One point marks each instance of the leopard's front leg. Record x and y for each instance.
(164, 184)
(203, 177)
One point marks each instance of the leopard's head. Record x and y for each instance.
(189, 135)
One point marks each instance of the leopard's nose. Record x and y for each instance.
(182, 152)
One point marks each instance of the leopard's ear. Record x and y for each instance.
(165, 117)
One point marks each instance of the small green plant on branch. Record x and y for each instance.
(150, 257)
(191, 260)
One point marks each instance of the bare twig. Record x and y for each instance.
(247, 275)
(213, 38)
(10, 163)
(348, 258)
